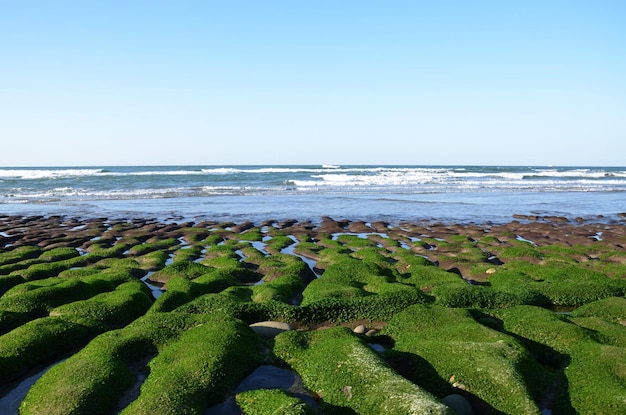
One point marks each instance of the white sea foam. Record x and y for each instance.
(33, 174)
(154, 173)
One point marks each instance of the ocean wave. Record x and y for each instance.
(34, 174)
(82, 194)
(153, 173)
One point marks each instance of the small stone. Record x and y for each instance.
(371, 333)
(490, 271)
(360, 329)
(347, 390)
(459, 385)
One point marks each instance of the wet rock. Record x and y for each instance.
(459, 404)
(359, 227)
(270, 329)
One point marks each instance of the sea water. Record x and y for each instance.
(391, 193)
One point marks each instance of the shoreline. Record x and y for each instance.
(538, 297)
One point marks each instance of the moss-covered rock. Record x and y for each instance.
(198, 369)
(346, 373)
(487, 363)
(594, 374)
(271, 402)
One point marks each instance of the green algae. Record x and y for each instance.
(198, 369)
(271, 402)
(593, 373)
(490, 365)
(347, 373)
(480, 335)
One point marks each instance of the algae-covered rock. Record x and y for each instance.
(199, 358)
(489, 364)
(345, 372)
(593, 374)
(271, 402)
(198, 369)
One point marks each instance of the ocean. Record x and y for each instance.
(464, 194)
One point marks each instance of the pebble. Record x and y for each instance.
(360, 329)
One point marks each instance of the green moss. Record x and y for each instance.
(594, 373)
(184, 269)
(212, 239)
(564, 284)
(198, 369)
(610, 309)
(289, 280)
(43, 270)
(373, 256)
(381, 307)
(355, 242)
(253, 234)
(13, 268)
(39, 340)
(153, 260)
(464, 295)
(115, 250)
(127, 302)
(194, 234)
(9, 281)
(520, 250)
(236, 302)
(163, 244)
(348, 374)
(492, 365)
(58, 254)
(181, 290)
(279, 242)
(188, 254)
(10, 320)
(19, 254)
(427, 276)
(350, 278)
(92, 380)
(271, 402)
(37, 298)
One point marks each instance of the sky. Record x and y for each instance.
(133, 82)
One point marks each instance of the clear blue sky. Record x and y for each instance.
(310, 82)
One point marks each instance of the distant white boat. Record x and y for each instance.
(330, 166)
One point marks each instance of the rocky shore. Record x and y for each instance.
(109, 316)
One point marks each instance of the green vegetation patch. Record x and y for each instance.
(487, 363)
(610, 309)
(594, 373)
(184, 269)
(271, 402)
(40, 340)
(19, 254)
(181, 290)
(93, 380)
(198, 369)
(158, 244)
(353, 278)
(127, 302)
(561, 284)
(348, 375)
